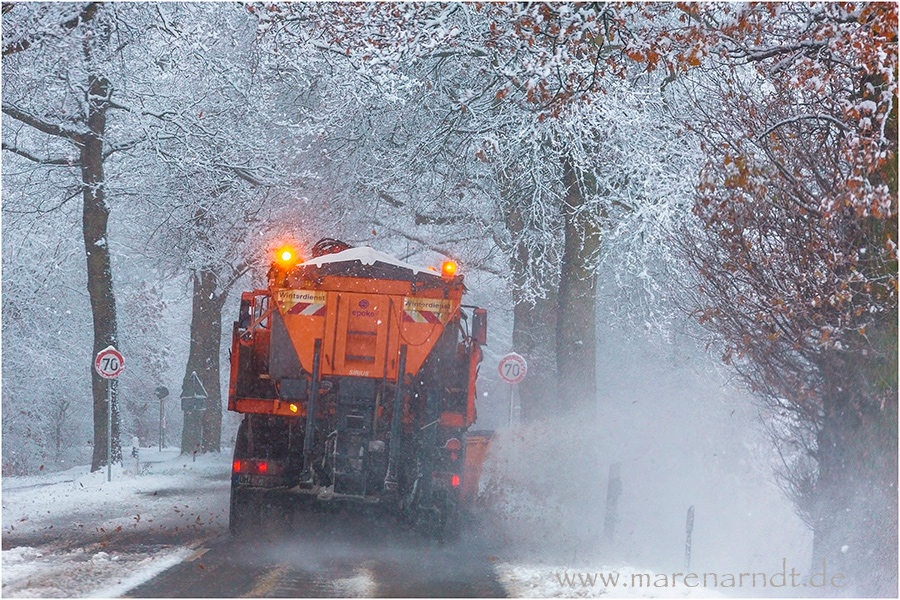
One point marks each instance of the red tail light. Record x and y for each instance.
(451, 479)
(264, 467)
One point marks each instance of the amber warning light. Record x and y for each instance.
(448, 269)
(286, 256)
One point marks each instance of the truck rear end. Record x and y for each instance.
(356, 375)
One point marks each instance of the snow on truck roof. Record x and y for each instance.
(366, 256)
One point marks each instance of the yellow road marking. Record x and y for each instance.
(266, 583)
(196, 554)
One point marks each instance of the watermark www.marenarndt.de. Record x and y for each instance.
(776, 579)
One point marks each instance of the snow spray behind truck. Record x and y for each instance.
(356, 373)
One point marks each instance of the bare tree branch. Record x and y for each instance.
(86, 14)
(391, 200)
(44, 211)
(441, 220)
(53, 129)
(816, 117)
(121, 147)
(245, 174)
(68, 162)
(433, 248)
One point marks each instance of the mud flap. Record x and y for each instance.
(477, 445)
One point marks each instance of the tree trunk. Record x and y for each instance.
(202, 430)
(95, 216)
(534, 336)
(576, 327)
(534, 329)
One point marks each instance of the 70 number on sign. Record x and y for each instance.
(512, 368)
(109, 363)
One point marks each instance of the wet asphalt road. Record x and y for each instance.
(333, 554)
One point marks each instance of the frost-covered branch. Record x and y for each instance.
(25, 41)
(48, 127)
(64, 161)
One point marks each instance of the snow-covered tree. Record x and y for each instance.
(232, 166)
(44, 423)
(56, 98)
(510, 129)
(796, 259)
(185, 147)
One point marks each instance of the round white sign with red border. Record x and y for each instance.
(512, 368)
(109, 363)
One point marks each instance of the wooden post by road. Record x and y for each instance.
(687, 541)
(613, 491)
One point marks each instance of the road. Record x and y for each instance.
(334, 554)
(165, 535)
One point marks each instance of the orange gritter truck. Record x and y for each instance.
(355, 372)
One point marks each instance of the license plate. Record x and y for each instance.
(257, 480)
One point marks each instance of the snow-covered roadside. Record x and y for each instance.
(63, 533)
(28, 573)
(73, 534)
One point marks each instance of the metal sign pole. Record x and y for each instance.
(108, 364)
(109, 430)
(512, 369)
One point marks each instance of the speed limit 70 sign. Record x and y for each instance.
(512, 368)
(109, 363)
